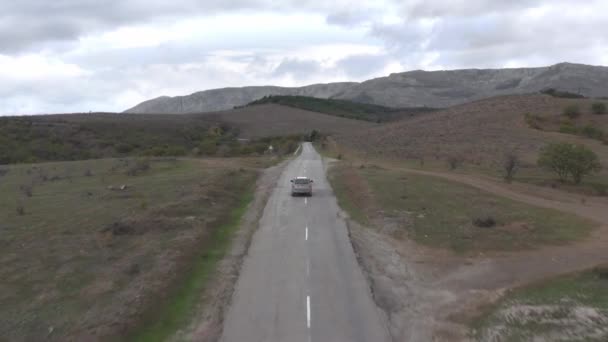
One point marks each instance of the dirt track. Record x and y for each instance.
(429, 294)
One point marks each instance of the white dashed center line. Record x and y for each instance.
(308, 311)
(306, 233)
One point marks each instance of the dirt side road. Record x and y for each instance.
(429, 294)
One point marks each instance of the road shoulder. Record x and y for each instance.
(207, 324)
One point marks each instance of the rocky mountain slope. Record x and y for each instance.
(408, 89)
(228, 98)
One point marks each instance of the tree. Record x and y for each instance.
(511, 165)
(313, 135)
(598, 108)
(568, 160)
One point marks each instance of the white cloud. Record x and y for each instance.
(36, 67)
(111, 55)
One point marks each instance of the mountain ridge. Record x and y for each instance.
(416, 88)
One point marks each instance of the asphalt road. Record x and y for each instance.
(301, 280)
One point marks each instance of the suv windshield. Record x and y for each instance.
(302, 181)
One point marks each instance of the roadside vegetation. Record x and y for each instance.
(96, 249)
(343, 108)
(431, 211)
(568, 307)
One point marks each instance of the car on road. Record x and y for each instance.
(301, 186)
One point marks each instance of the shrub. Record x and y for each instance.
(600, 189)
(510, 165)
(484, 222)
(534, 121)
(560, 93)
(598, 108)
(208, 147)
(593, 132)
(568, 160)
(141, 165)
(601, 271)
(119, 228)
(568, 128)
(454, 162)
(572, 111)
(20, 209)
(123, 148)
(26, 190)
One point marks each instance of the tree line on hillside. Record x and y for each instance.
(343, 108)
(78, 137)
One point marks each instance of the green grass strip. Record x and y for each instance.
(178, 311)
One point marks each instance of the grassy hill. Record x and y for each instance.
(343, 108)
(478, 136)
(275, 120)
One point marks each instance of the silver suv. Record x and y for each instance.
(301, 186)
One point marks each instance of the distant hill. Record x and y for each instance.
(453, 87)
(407, 89)
(228, 98)
(343, 108)
(267, 120)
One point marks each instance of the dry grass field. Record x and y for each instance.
(89, 249)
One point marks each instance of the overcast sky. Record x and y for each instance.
(80, 55)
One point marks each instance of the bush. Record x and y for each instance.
(123, 148)
(598, 108)
(484, 222)
(601, 271)
(534, 121)
(560, 93)
(119, 228)
(454, 162)
(208, 147)
(141, 165)
(568, 160)
(600, 189)
(26, 190)
(572, 111)
(593, 132)
(568, 128)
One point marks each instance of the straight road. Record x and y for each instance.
(301, 281)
